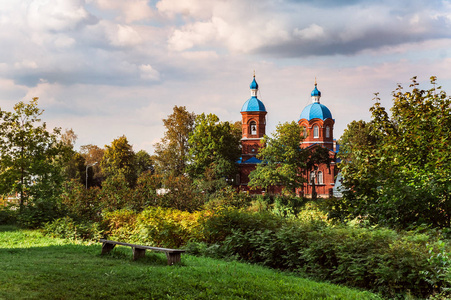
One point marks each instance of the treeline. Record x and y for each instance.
(46, 177)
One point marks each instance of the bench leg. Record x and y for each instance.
(106, 247)
(138, 253)
(173, 258)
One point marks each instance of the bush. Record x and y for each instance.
(67, 228)
(220, 224)
(120, 225)
(8, 215)
(81, 204)
(166, 227)
(39, 212)
(380, 260)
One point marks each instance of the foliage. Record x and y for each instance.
(8, 215)
(228, 197)
(93, 156)
(81, 204)
(214, 148)
(116, 193)
(171, 154)
(376, 259)
(397, 170)
(157, 226)
(181, 194)
(67, 228)
(119, 158)
(282, 160)
(40, 272)
(145, 192)
(143, 162)
(28, 154)
(39, 212)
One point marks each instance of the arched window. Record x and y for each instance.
(315, 132)
(304, 131)
(253, 128)
(320, 179)
(327, 132)
(312, 177)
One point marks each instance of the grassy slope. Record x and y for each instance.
(37, 267)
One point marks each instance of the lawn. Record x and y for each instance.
(33, 266)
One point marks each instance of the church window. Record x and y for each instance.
(320, 177)
(315, 131)
(327, 132)
(312, 177)
(253, 128)
(304, 131)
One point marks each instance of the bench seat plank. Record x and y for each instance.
(173, 255)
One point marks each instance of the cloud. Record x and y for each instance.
(149, 73)
(128, 11)
(57, 15)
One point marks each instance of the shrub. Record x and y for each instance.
(8, 215)
(166, 227)
(120, 224)
(69, 229)
(39, 212)
(81, 204)
(221, 223)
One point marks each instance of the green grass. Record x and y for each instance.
(36, 267)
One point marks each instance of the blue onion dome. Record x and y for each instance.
(315, 92)
(315, 111)
(254, 84)
(253, 104)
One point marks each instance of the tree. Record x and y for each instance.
(283, 159)
(171, 154)
(317, 155)
(214, 148)
(119, 158)
(397, 168)
(143, 162)
(28, 153)
(93, 155)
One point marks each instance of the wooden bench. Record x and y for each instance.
(173, 255)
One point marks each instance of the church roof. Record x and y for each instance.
(315, 92)
(254, 84)
(252, 160)
(253, 104)
(315, 111)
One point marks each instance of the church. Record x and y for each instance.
(318, 127)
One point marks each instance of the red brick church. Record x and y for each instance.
(318, 126)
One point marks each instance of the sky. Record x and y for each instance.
(107, 68)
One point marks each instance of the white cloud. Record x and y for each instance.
(129, 11)
(188, 8)
(313, 32)
(149, 73)
(56, 15)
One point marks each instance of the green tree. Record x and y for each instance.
(74, 165)
(171, 154)
(214, 148)
(29, 153)
(282, 159)
(119, 158)
(143, 162)
(93, 155)
(403, 176)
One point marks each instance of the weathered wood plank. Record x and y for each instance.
(139, 251)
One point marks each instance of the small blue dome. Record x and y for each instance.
(315, 92)
(315, 111)
(253, 104)
(254, 84)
